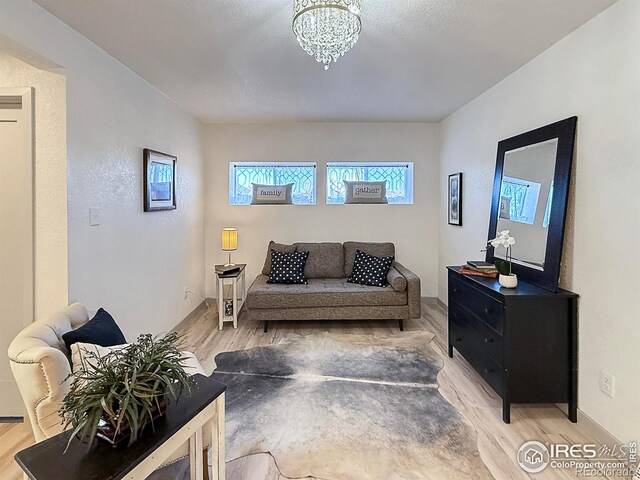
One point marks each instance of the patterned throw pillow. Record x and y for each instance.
(287, 267)
(370, 270)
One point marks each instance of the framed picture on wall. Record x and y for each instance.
(159, 181)
(455, 199)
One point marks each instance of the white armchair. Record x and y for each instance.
(41, 365)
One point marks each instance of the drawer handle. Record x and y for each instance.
(455, 290)
(458, 339)
(488, 340)
(488, 311)
(489, 370)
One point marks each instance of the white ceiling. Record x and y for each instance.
(238, 60)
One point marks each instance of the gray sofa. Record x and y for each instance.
(328, 296)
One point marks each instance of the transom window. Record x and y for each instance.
(522, 197)
(242, 175)
(398, 177)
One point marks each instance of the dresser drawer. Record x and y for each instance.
(485, 338)
(486, 308)
(463, 341)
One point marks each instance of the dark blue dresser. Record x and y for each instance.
(522, 341)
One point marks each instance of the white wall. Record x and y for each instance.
(134, 264)
(593, 73)
(50, 179)
(413, 228)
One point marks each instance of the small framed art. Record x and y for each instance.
(455, 199)
(159, 181)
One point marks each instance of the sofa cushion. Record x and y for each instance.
(370, 270)
(288, 268)
(326, 260)
(320, 292)
(100, 330)
(386, 249)
(278, 247)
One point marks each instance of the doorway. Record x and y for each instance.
(16, 233)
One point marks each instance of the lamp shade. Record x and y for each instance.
(229, 239)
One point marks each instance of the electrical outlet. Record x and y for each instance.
(607, 383)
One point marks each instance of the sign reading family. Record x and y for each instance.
(271, 192)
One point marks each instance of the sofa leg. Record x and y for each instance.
(401, 325)
(266, 326)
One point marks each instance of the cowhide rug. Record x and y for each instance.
(343, 407)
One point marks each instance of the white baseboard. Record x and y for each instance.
(429, 300)
(595, 431)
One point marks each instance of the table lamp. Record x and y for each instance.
(229, 242)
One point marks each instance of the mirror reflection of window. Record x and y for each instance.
(547, 210)
(522, 198)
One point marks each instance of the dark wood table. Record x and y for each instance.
(184, 421)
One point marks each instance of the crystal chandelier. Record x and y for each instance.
(327, 29)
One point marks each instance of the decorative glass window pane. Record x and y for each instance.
(399, 178)
(243, 175)
(523, 198)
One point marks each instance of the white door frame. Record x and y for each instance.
(26, 198)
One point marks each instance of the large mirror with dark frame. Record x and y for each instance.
(530, 192)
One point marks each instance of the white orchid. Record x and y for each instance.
(503, 239)
(506, 241)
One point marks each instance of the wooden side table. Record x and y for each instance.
(238, 294)
(184, 421)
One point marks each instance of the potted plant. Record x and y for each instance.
(115, 396)
(506, 278)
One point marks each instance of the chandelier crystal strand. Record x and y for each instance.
(327, 29)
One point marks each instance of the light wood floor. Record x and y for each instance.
(459, 384)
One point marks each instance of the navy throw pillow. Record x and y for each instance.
(100, 330)
(370, 270)
(288, 267)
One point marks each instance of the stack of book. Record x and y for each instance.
(226, 269)
(479, 268)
